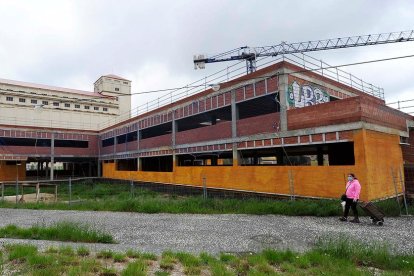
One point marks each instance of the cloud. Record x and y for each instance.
(72, 43)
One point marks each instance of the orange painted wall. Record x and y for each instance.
(308, 181)
(375, 153)
(9, 172)
(383, 160)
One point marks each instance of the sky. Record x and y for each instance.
(152, 43)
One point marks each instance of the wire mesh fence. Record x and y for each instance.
(298, 182)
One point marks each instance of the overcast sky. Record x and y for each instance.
(72, 43)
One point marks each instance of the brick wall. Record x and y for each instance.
(337, 112)
(348, 110)
(221, 130)
(408, 150)
(153, 142)
(261, 124)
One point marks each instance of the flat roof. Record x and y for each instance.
(52, 88)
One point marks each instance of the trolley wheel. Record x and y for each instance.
(380, 223)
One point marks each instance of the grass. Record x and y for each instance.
(83, 251)
(330, 256)
(118, 197)
(61, 231)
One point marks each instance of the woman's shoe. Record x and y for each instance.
(343, 219)
(355, 220)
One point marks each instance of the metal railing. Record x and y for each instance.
(239, 69)
(406, 106)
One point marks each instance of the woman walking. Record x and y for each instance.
(353, 189)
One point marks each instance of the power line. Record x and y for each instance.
(275, 74)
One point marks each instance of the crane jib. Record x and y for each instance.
(309, 46)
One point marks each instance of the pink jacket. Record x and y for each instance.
(353, 189)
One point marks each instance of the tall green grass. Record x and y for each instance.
(61, 231)
(330, 256)
(377, 255)
(117, 197)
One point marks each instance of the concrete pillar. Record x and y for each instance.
(139, 164)
(99, 168)
(52, 156)
(320, 156)
(234, 119)
(283, 89)
(173, 139)
(47, 169)
(89, 168)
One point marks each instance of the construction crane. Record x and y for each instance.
(250, 54)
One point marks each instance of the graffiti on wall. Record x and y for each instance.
(305, 95)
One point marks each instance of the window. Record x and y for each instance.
(86, 106)
(45, 102)
(105, 109)
(67, 105)
(95, 108)
(77, 105)
(21, 100)
(55, 104)
(125, 82)
(116, 89)
(9, 99)
(33, 101)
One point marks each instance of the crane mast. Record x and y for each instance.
(250, 54)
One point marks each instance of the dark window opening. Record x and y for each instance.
(108, 142)
(157, 164)
(313, 155)
(13, 163)
(109, 161)
(156, 131)
(205, 119)
(30, 142)
(341, 154)
(24, 142)
(71, 144)
(259, 106)
(206, 159)
(127, 164)
(121, 139)
(132, 136)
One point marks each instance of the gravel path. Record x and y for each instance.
(213, 233)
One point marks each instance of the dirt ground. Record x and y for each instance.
(43, 197)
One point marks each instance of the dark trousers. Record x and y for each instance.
(350, 204)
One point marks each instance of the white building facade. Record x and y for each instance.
(29, 104)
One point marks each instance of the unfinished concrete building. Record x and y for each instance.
(280, 131)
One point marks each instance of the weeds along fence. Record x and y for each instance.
(290, 186)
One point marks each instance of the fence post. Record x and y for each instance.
(403, 190)
(17, 190)
(204, 188)
(291, 185)
(396, 190)
(70, 190)
(132, 189)
(2, 191)
(37, 192)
